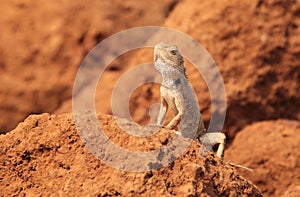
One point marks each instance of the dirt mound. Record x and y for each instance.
(271, 149)
(41, 47)
(44, 155)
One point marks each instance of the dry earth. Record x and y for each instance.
(45, 156)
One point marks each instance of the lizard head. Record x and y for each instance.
(169, 56)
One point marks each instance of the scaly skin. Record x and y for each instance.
(177, 94)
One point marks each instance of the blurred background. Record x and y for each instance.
(255, 43)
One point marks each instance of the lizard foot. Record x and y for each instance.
(208, 140)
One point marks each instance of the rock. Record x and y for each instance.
(270, 149)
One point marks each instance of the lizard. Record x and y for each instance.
(176, 93)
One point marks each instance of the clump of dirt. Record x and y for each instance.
(271, 149)
(44, 155)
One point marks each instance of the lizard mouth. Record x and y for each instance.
(157, 54)
(155, 57)
(158, 50)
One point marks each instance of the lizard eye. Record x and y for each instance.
(173, 52)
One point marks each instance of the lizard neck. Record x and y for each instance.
(172, 79)
(171, 75)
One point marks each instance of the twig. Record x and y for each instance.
(240, 166)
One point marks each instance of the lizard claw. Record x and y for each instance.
(178, 133)
(170, 127)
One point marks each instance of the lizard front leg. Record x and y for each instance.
(175, 121)
(162, 112)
